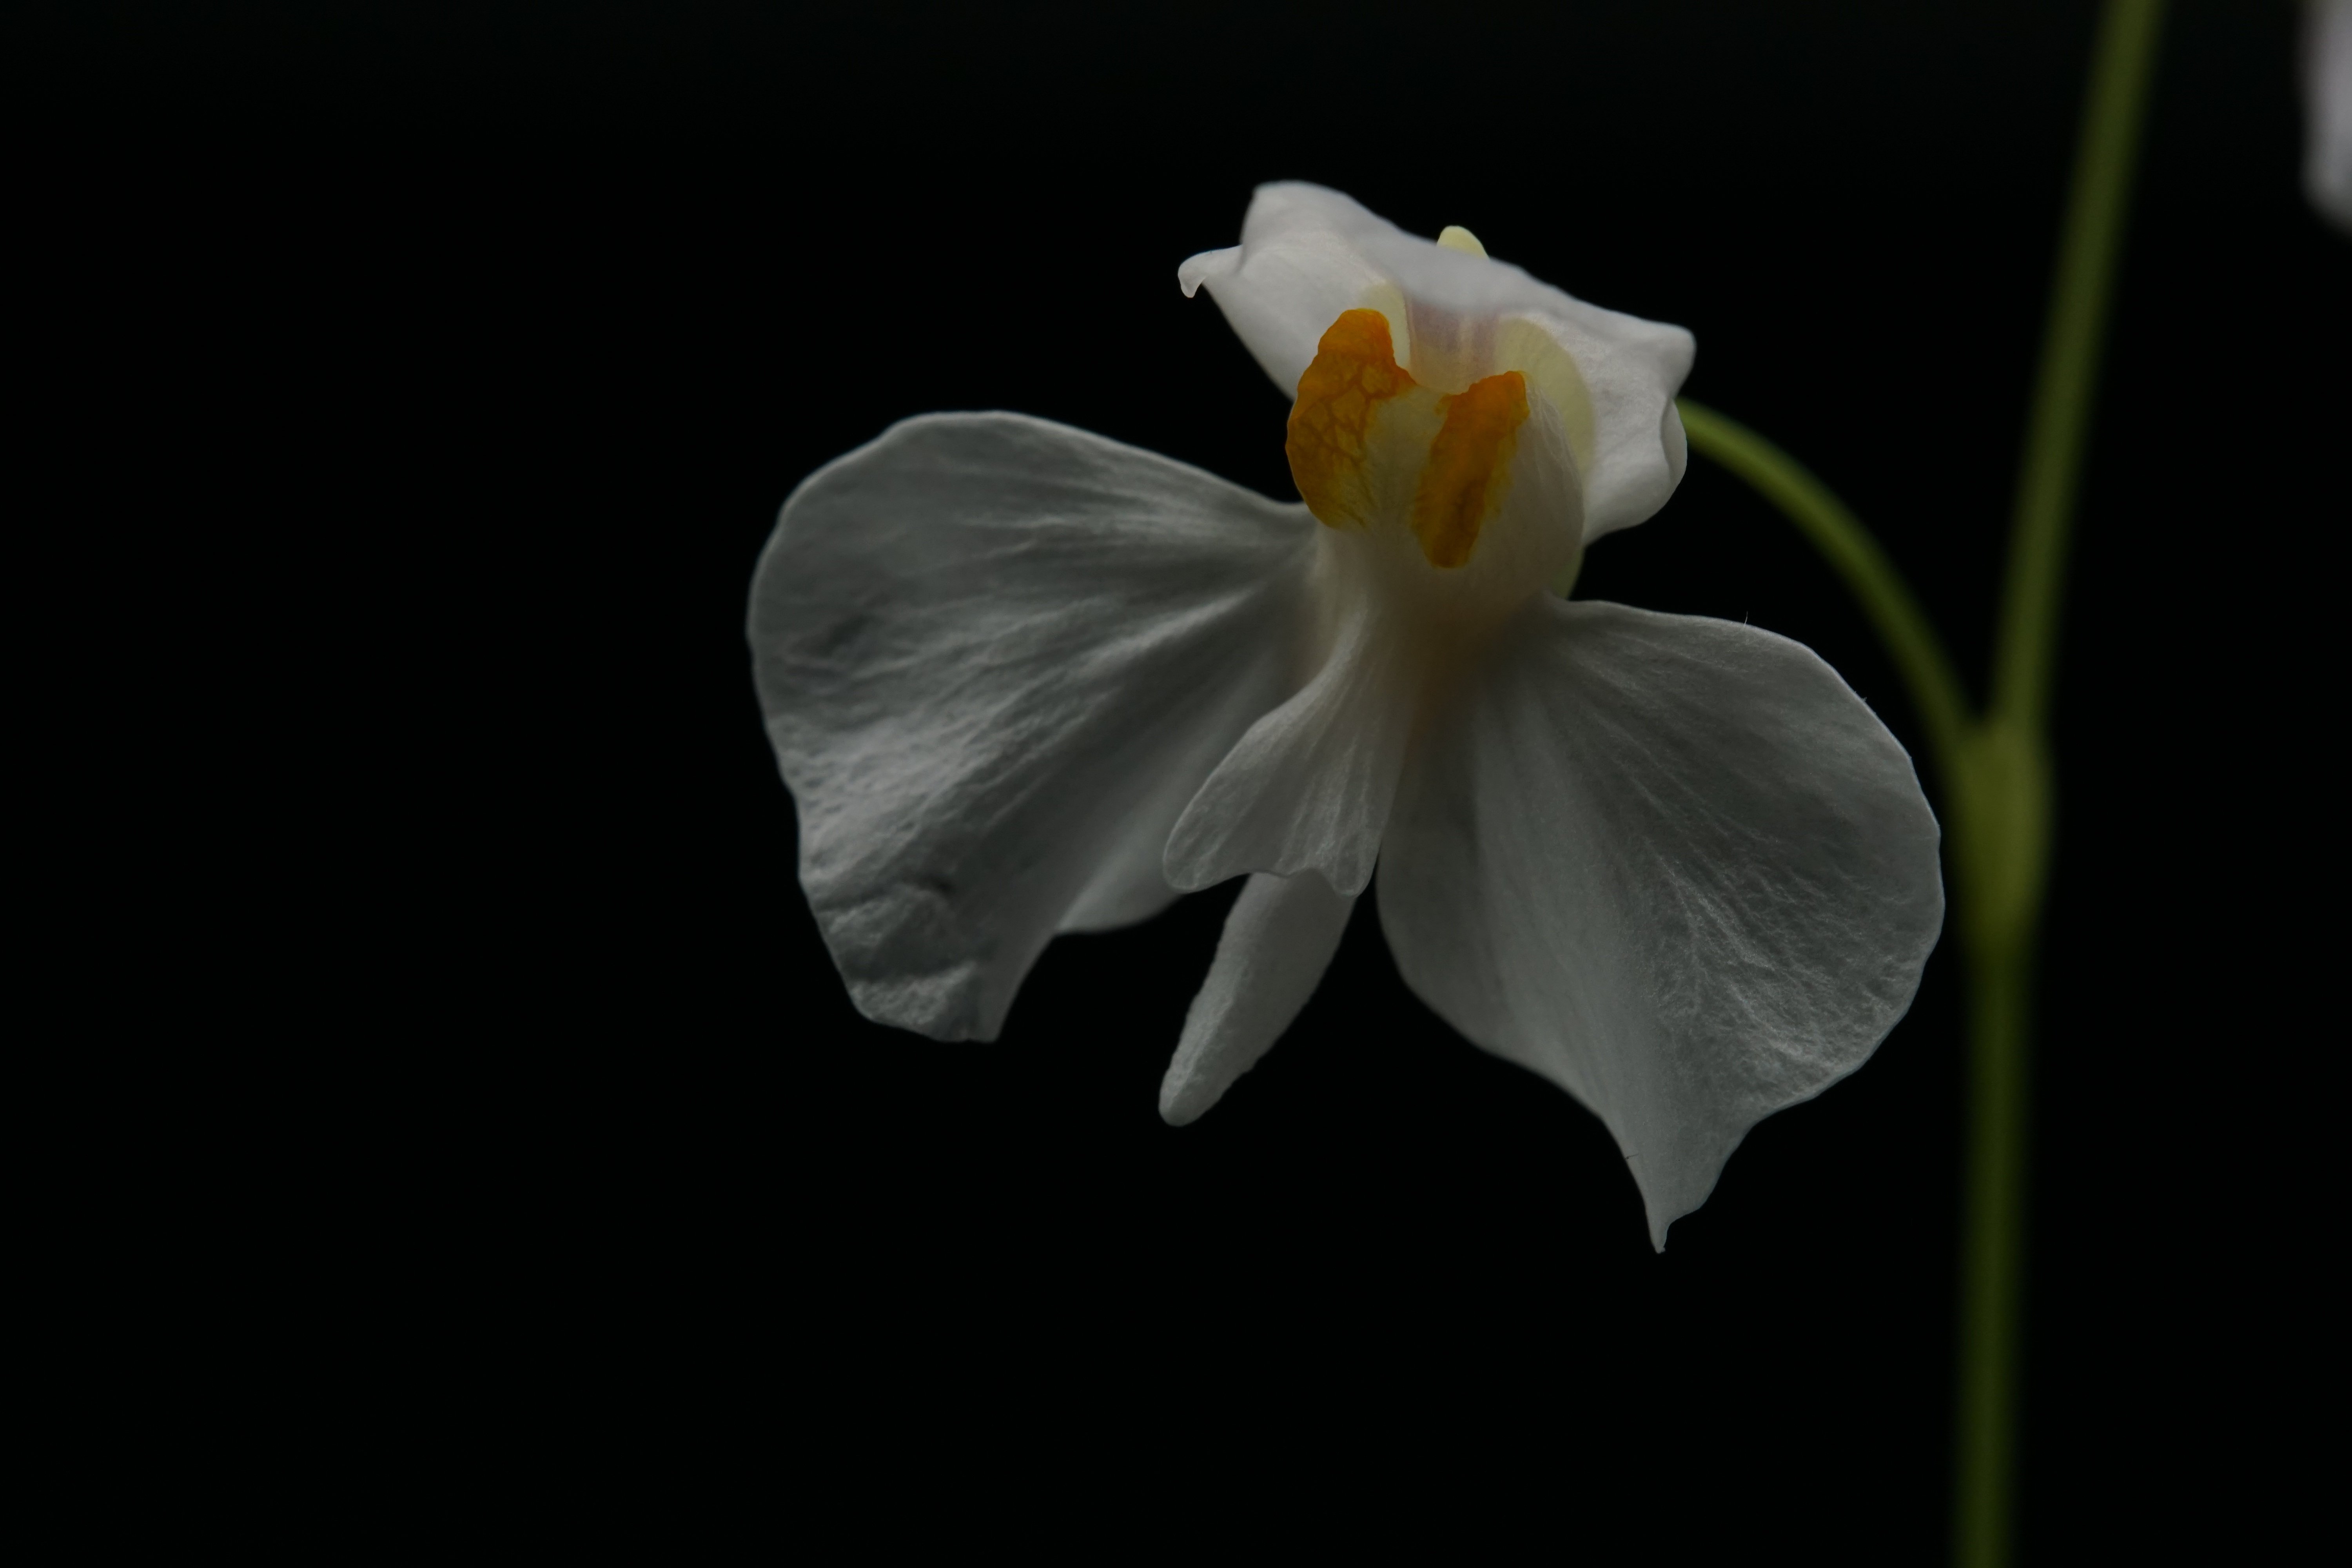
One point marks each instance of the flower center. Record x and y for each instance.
(1368, 443)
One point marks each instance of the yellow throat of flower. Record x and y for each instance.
(1367, 442)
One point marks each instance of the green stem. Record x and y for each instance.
(1997, 842)
(1992, 1258)
(2025, 658)
(1854, 555)
(2002, 820)
(1995, 771)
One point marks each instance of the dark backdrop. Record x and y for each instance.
(467, 353)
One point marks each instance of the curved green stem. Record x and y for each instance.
(1854, 555)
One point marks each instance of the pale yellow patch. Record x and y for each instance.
(1454, 237)
(1530, 348)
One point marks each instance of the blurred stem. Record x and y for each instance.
(2004, 860)
(2025, 654)
(1994, 769)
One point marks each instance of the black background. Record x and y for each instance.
(452, 363)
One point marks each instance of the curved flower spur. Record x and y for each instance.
(1022, 679)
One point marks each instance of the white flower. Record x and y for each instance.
(2327, 84)
(1022, 679)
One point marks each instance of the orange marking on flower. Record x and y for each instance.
(1355, 371)
(1469, 466)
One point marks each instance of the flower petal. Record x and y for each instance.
(1634, 450)
(1285, 283)
(1308, 787)
(1672, 863)
(1308, 254)
(997, 657)
(1277, 942)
